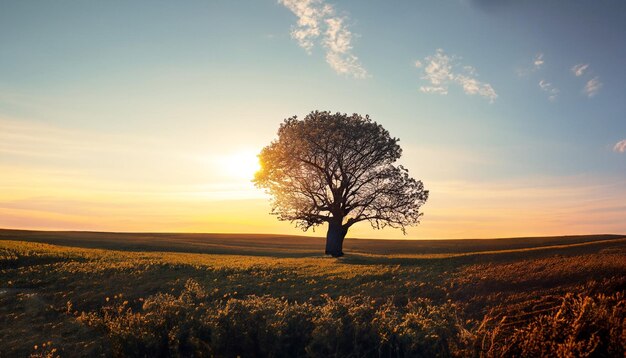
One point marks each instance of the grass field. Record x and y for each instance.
(115, 294)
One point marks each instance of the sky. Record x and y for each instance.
(148, 115)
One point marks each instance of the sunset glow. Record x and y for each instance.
(240, 166)
(130, 125)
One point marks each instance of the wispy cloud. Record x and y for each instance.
(549, 89)
(593, 87)
(441, 70)
(538, 61)
(536, 64)
(438, 72)
(310, 13)
(579, 69)
(318, 23)
(472, 86)
(620, 147)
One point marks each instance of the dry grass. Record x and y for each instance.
(90, 301)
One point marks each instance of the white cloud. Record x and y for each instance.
(337, 36)
(549, 89)
(319, 24)
(339, 49)
(579, 69)
(441, 71)
(438, 72)
(620, 147)
(434, 89)
(544, 84)
(309, 13)
(472, 86)
(593, 86)
(470, 70)
(538, 61)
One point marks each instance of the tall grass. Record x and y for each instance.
(264, 326)
(582, 326)
(93, 302)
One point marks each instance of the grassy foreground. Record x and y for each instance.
(92, 294)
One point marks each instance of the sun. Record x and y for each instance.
(240, 165)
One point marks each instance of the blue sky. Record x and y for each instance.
(512, 113)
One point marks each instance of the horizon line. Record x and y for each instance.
(305, 236)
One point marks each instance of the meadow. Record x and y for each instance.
(116, 294)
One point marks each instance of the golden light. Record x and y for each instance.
(240, 165)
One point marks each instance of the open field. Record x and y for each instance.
(265, 295)
(283, 245)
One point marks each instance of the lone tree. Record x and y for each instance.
(338, 169)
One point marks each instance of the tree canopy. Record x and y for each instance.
(338, 168)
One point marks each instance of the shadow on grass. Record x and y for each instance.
(358, 252)
(500, 256)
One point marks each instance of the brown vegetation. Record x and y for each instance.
(559, 300)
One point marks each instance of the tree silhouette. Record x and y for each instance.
(338, 169)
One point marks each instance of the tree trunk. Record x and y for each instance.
(334, 239)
